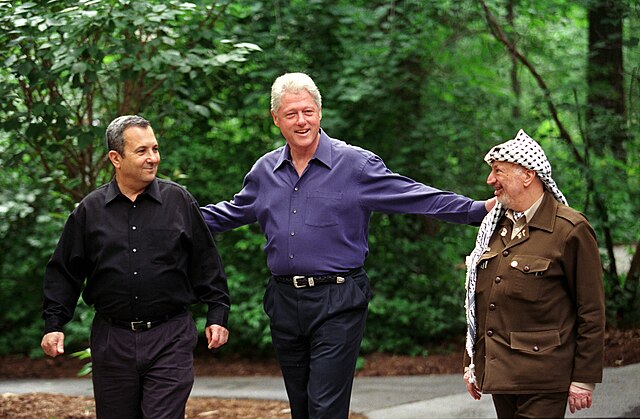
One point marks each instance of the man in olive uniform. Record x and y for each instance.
(535, 299)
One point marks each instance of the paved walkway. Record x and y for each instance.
(409, 397)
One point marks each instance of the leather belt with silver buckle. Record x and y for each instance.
(142, 324)
(308, 281)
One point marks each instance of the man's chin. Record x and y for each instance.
(149, 177)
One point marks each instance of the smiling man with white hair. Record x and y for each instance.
(535, 299)
(313, 199)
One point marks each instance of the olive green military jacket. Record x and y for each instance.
(540, 305)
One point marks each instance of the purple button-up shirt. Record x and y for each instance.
(318, 223)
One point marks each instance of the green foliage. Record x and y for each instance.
(69, 68)
(84, 354)
(422, 83)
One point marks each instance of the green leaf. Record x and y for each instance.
(38, 108)
(80, 67)
(25, 67)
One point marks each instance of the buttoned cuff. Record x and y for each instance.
(52, 324)
(218, 314)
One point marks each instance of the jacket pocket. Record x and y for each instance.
(526, 276)
(530, 265)
(534, 342)
(483, 262)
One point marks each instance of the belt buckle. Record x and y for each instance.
(140, 325)
(295, 281)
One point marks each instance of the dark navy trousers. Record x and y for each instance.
(316, 334)
(143, 374)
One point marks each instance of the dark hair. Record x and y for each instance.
(115, 131)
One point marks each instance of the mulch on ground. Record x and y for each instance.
(622, 347)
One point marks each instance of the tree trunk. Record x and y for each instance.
(606, 114)
(606, 122)
(515, 81)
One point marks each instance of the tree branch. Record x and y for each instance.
(499, 34)
(601, 208)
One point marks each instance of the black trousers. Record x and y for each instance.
(143, 374)
(543, 405)
(316, 334)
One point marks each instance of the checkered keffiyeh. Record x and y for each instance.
(522, 150)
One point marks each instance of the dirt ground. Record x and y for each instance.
(622, 348)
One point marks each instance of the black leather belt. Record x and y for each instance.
(307, 281)
(140, 325)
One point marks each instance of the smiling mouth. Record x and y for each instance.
(303, 131)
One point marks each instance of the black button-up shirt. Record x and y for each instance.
(141, 260)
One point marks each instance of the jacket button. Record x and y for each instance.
(489, 333)
(526, 268)
(505, 253)
(536, 348)
(498, 279)
(492, 306)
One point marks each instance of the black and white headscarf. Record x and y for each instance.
(522, 150)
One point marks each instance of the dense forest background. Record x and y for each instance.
(429, 85)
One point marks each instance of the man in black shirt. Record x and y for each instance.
(146, 254)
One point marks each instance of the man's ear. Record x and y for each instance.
(529, 176)
(115, 158)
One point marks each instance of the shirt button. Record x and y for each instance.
(290, 256)
(526, 268)
(136, 297)
(133, 228)
(536, 348)
(135, 273)
(498, 279)
(489, 333)
(295, 211)
(293, 233)
(134, 250)
(295, 189)
(505, 253)
(492, 306)
(514, 263)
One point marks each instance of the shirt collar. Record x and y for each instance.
(529, 212)
(322, 154)
(152, 191)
